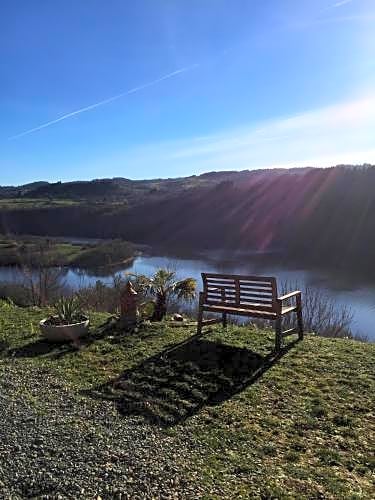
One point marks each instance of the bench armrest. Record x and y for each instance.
(289, 295)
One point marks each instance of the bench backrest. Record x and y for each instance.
(245, 292)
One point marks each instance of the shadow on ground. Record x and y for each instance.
(41, 347)
(3, 346)
(55, 350)
(177, 383)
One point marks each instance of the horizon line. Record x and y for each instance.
(257, 169)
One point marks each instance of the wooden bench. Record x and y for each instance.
(253, 296)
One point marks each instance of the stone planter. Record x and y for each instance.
(64, 333)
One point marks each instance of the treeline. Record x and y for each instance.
(132, 192)
(319, 216)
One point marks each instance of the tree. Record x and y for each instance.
(41, 278)
(162, 286)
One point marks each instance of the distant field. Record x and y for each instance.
(38, 203)
(22, 203)
(30, 250)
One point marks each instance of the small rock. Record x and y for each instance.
(178, 317)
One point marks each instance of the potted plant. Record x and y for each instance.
(68, 323)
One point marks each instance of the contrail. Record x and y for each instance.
(341, 3)
(105, 101)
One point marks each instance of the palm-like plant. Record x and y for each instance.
(162, 286)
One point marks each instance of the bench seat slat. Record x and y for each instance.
(249, 308)
(247, 301)
(225, 307)
(242, 312)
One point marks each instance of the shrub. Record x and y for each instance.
(162, 286)
(321, 314)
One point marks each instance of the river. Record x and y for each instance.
(359, 297)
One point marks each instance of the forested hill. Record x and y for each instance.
(131, 192)
(320, 215)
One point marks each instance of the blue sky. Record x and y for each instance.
(214, 85)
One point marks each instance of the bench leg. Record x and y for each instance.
(278, 334)
(299, 318)
(225, 323)
(199, 321)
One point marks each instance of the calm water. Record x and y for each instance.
(360, 298)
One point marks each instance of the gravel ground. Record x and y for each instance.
(57, 444)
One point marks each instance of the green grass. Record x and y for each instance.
(10, 204)
(27, 249)
(27, 203)
(299, 427)
(16, 251)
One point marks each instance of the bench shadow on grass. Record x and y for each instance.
(177, 383)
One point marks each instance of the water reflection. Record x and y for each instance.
(360, 298)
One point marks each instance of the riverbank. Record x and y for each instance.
(343, 295)
(216, 418)
(32, 251)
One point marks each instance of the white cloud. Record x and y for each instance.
(341, 3)
(343, 133)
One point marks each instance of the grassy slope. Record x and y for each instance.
(304, 429)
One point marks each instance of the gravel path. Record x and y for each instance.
(55, 444)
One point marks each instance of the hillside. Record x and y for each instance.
(218, 417)
(22, 190)
(132, 192)
(110, 190)
(35, 251)
(323, 217)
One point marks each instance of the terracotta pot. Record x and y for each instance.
(64, 333)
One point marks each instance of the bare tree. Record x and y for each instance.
(43, 281)
(321, 313)
(101, 296)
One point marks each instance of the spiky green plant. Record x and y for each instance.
(68, 310)
(162, 286)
